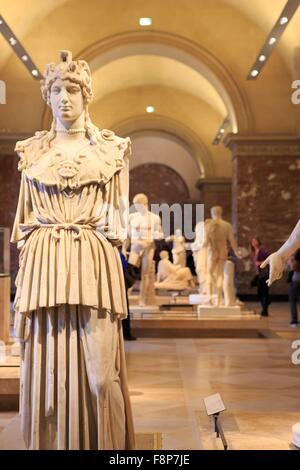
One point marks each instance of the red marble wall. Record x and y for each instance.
(9, 189)
(159, 182)
(265, 198)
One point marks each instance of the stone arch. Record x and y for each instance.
(180, 49)
(177, 130)
(161, 183)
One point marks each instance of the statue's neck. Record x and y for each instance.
(70, 131)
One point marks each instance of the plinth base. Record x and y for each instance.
(209, 311)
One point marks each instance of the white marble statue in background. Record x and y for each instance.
(144, 228)
(171, 276)
(229, 290)
(71, 216)
(200, 257)
(178, 250)
(218, 237)
(279, 258)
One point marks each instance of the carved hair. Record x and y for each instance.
(140, 198)
(76, 71)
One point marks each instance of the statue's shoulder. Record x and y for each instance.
(107, 138)
(28, 149)
(22, 145)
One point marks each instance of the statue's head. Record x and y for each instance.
(164, 254)
(216, 212)
(67, 87)
(178, 232)
(140, 202)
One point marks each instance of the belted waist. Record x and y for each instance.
(67, 226)
(77, 228)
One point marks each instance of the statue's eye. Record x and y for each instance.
(73, 89)
(55, 90)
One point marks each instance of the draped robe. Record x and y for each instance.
(70, 296)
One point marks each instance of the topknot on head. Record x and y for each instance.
(76, 71)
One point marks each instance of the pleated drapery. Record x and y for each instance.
(73, 382)
(70, 297)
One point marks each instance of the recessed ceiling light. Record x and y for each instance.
(34, 72)
(283, 20)
(150, 109)
(12, 41)
(272, 41)
(145, 21)
(1, 21)
(262, 58)
(24, 57)
(254, 73)
(222, 130)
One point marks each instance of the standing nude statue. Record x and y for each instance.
(200, 257)
(218, 236)
(70, 299)
(144, 228)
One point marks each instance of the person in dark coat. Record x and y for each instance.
(259, 254)
(294, 288)
(131, 274)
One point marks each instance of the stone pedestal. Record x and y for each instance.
(4, 308)
(209, 311)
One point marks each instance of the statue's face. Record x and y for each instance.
(140, 202)
(66, 100)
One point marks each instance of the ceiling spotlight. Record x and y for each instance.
(145, 21)
(150, 109)
(272, 40)
(262, 58)
(254, 73)
(221, 131)
(18, 49)
(283, 20)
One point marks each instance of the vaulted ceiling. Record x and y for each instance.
(191, 65)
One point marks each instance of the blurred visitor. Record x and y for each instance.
(259, 254)
(131, 274)
(294, 288)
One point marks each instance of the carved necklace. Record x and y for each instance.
(71, 131)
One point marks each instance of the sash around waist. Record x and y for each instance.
(57, 227)
(53, 273)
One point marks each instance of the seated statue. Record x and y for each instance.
(171, 276)
(178, 251)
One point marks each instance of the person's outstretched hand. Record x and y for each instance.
(276, 264)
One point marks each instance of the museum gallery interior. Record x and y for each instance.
(149, 235)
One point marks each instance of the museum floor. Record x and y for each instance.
(168, 379)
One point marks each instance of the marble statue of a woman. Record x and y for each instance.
(70, 298)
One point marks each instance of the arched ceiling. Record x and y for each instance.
(25, 15)
(229, 33)
(154, 70)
